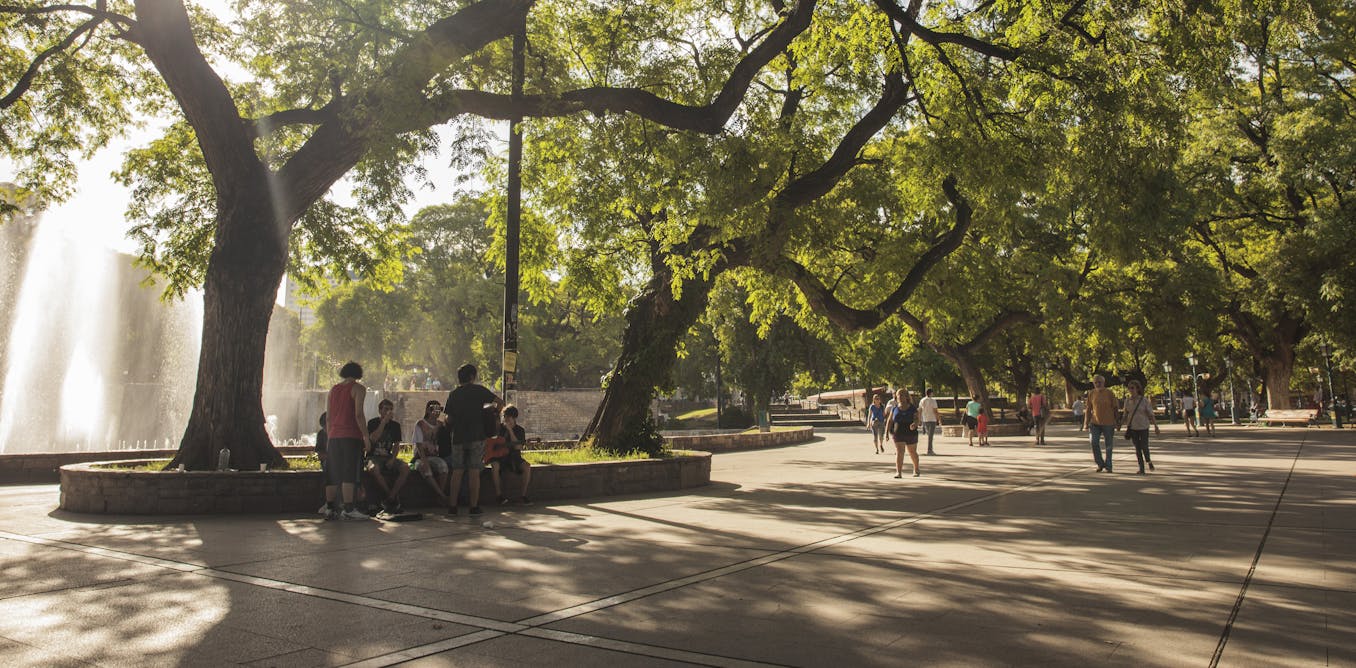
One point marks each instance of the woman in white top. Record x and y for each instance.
(1138, 412)
(426, 459)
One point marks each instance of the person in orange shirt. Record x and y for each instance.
(1101, 421)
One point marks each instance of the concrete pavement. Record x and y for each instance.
(1239, 550)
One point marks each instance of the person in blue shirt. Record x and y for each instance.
(875, 420)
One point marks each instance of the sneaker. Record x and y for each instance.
(503, 500)
(916, 474)
(452, 510)
(392, 507)
(525, 501)
(331, 514)
(475, 510)
(354, 514)
(324, 510)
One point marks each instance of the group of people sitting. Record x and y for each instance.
(476, 429)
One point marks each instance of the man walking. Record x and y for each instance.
(465, 409)
(1101, 421)
(932, 418)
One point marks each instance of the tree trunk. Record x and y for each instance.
(970, 373)
(241, 285)
(1278, 369)
(655, 322)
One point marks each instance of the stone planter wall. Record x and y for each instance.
(88, 489)
(41, 468)
(742, 440)
(1007, 429)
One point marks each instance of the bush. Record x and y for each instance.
(735, 417)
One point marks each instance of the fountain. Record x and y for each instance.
(91, 358)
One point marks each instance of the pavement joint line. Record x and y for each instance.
(651, 651)
(182, 567)
(669, 585)
(430, 649)
(1256, 557)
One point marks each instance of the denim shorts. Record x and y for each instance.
(468, 456)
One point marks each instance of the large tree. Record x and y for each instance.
(319, 90)
(1270, 169)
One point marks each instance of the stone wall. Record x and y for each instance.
(741, 440)
(87, 489)
(39, 468)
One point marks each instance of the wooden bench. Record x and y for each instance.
(1303, 416)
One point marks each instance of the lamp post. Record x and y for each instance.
(1195, 389)
(1332, 403)
(1233, 397)
(1167, 371)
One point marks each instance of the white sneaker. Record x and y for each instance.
(324, 510)
(353, 514)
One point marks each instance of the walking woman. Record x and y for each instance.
(1207, 414)
(1139, 415)
(875, 419)
(902, 426)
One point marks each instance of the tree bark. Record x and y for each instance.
(655, 321)
(970, 373)
(238, 296)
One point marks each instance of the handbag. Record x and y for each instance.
(1131, 417)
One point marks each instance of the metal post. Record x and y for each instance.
(1195, 389)
(513, 220)
(1233, 396)
(1332, 398)
(1167, 373)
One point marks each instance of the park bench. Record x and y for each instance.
(1302, 416)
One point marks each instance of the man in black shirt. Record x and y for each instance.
(465, 409)
(384, 433)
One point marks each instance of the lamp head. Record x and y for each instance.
(1167, 367)
(1191, 359)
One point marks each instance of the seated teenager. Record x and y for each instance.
(426, 456)
(514, 436)
(384, 432)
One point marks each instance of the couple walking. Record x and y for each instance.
(1103, 420)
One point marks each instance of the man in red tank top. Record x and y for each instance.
(348, 441)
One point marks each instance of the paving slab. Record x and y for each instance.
(804, 555)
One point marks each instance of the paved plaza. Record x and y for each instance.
(1240, 550)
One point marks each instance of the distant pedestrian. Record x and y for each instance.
(875, 420)
(466, 406)
(1207, 414)
(1138, 416)
(982, 428)
(971, 418)
(1078, 408)
(1040, 414)
(1101, 422)
(1189, 414)
(348, 442)
(931, 417)
(902, 425)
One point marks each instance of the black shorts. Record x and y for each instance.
(970, 421)
(1189, 412)
(513, 461)
(906, 435)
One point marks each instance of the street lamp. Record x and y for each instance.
(1233, 396)
(1195, 389)
(1332, 403)
(1167, 371)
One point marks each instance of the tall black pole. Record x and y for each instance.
(511, 225)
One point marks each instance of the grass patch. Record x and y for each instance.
(698, 414)
(308, 463)
(579, 456)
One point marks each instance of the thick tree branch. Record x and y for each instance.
(167, 38)
(822, 300)
(26, 79)
(910, 24)
(1003, 321)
